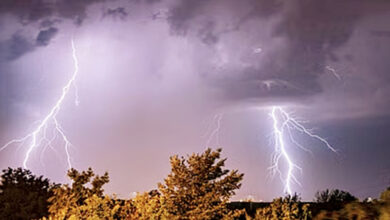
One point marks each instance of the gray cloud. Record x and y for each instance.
(31, 11)
(47, 14)
(119, 12)
(312, 33)
(15, 47)
(297, 38)
(47, 23)
(45, 36)
(27, 11)
(381, 33)
(20, 44)
(183, 13)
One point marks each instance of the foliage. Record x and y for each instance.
(384, 210)
(81, 202)
(379, 210)
(354, 210)
(334, 196)
(23, 195)
(385, 195)
(287, 208)
(198, 188)
(146, 206)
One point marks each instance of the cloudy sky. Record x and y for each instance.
(157, 75)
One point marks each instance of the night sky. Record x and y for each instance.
(154, 75)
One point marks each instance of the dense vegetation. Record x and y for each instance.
(198, 187)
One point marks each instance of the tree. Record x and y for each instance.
(82, 202)
(287, 208)
(197, 188)
(334, 196)
(23, 195)
(353, 210)
(385, 195)
(146, 206)
(375, 209)
(384, 208)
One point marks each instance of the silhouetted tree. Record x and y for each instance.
(333, 200)
(334, 196)
(384, 209)
(353, 210)
(369, 210)
(287, 208)
(385, 195)
(23, 195)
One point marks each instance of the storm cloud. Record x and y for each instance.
(46, 35)
(15, 47)
(32, 11)
(252, 51)
(310, 35)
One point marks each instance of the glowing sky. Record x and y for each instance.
(155, 73)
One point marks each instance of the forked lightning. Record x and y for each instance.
(39, 137)
(283, 126)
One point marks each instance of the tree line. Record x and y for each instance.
(197, 187)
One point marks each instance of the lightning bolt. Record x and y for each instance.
(39, 137)
(214, 133)
(334, 72)
(283, 125)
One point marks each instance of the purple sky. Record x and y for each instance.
(154, 73)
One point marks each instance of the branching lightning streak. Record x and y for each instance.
(283, 124)
(39, 137)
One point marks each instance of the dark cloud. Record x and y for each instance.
(74, 9)
(119, 12)
(46, 23)
(182, 14)
(206, 33)
(26, 10)
(253, 83)
(45, 36)
(380, 33)
(290, 72)
(20, 44)
(15, 47)
(47, 13)
(315, 29)
(31, 11)
(312, 32)
(152, 1)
